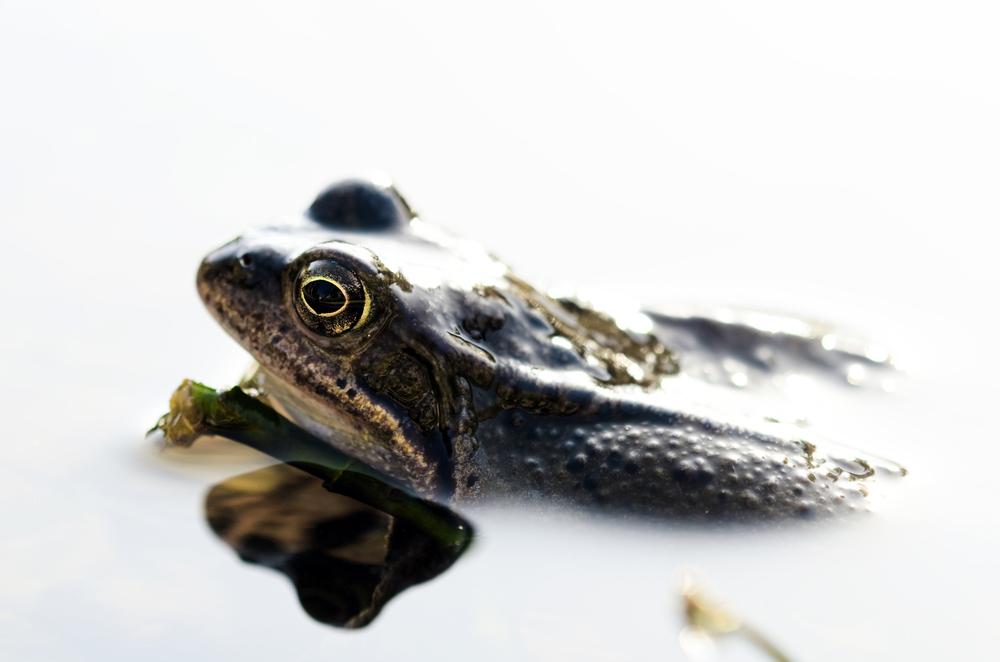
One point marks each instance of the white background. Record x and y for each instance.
(838, 160)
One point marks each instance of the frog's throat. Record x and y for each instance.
(397, 456)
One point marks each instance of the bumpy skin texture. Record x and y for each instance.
(658, 465)
(467, 383)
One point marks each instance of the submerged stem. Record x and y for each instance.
(197, 410)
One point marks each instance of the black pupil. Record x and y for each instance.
(324, 297)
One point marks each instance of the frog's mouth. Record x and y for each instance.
(241, 286)
(330, 424)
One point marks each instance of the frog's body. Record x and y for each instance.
(424, 356)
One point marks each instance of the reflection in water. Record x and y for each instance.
(346, 559)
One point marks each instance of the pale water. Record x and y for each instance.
(839, 168)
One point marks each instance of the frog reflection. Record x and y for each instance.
(425, 357)
(346, 559)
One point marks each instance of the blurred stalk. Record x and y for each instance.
(713, 620)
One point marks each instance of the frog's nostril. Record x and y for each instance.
(241, 265)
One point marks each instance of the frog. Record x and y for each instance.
(425, 356)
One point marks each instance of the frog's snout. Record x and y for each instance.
(227, 265)
(235, 279)
(237, 264)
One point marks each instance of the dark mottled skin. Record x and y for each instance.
(469, 384)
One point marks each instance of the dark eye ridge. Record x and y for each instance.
(324, 297)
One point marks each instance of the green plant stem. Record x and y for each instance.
(197, 410)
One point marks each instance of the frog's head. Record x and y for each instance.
(348, 346)
(392, 339)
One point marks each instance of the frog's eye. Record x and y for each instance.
(330, 298)
(360, 206)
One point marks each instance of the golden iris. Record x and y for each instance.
(331, 299)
